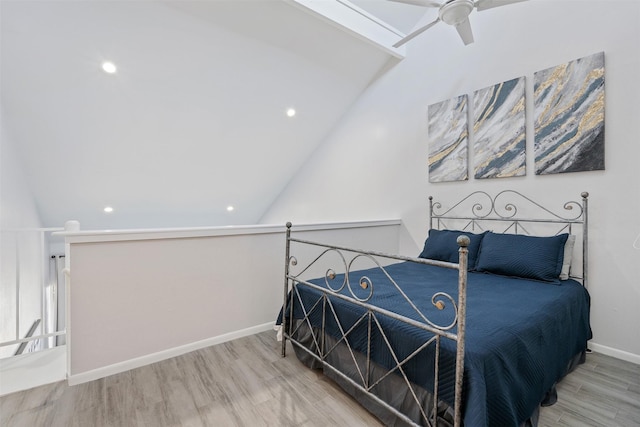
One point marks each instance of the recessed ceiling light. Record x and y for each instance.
(230, 208)
(291, 112)
(109, 67)
(108, 209)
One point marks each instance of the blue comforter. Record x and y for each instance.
(520, 335)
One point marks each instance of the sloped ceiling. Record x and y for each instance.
(194, 119)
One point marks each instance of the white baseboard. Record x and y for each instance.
(618, 354)
(127, 365)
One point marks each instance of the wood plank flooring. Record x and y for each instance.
(246, 383)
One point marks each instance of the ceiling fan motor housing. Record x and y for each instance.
(455, 11)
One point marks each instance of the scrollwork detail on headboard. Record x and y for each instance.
(476, 208)
(503, 206)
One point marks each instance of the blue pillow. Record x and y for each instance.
(442, 245)
(530, 257)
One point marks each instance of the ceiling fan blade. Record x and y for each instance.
(490, 4)
(425, 3)
(416, 33)
(464, 29)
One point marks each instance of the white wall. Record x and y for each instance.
(139, 297)
(17, 211)
(17, 206)
(374, 164)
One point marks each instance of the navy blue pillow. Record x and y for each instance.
(530, 257)
(442, 245)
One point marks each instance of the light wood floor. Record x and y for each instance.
(246, 383)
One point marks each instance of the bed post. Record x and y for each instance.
(286, 289)
(463, 241)
(430, 212)
(585, 237)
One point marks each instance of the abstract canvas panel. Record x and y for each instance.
(499, 146)
(569, 116)
(448, 136)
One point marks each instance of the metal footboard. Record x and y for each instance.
(371, 319)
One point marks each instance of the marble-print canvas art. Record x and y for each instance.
(569, 116)
(499, 145)
(448, 136)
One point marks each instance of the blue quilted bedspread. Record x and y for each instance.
(520, 334)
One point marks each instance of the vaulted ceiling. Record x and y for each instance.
(193, 121)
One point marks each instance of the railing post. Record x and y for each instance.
(17, 337)
(44, 280)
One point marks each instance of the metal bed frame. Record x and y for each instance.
(485, 210)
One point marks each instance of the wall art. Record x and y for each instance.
(448, 136)
(569, 116)
(499, 148)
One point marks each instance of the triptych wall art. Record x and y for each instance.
(568, 122)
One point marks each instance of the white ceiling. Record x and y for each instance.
(194, 119)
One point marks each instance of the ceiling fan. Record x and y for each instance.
(453, 12)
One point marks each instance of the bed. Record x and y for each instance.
(477, 330)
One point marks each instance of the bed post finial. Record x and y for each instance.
(463, 241)
(288, 224)
(463, 253)
(584, 194)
